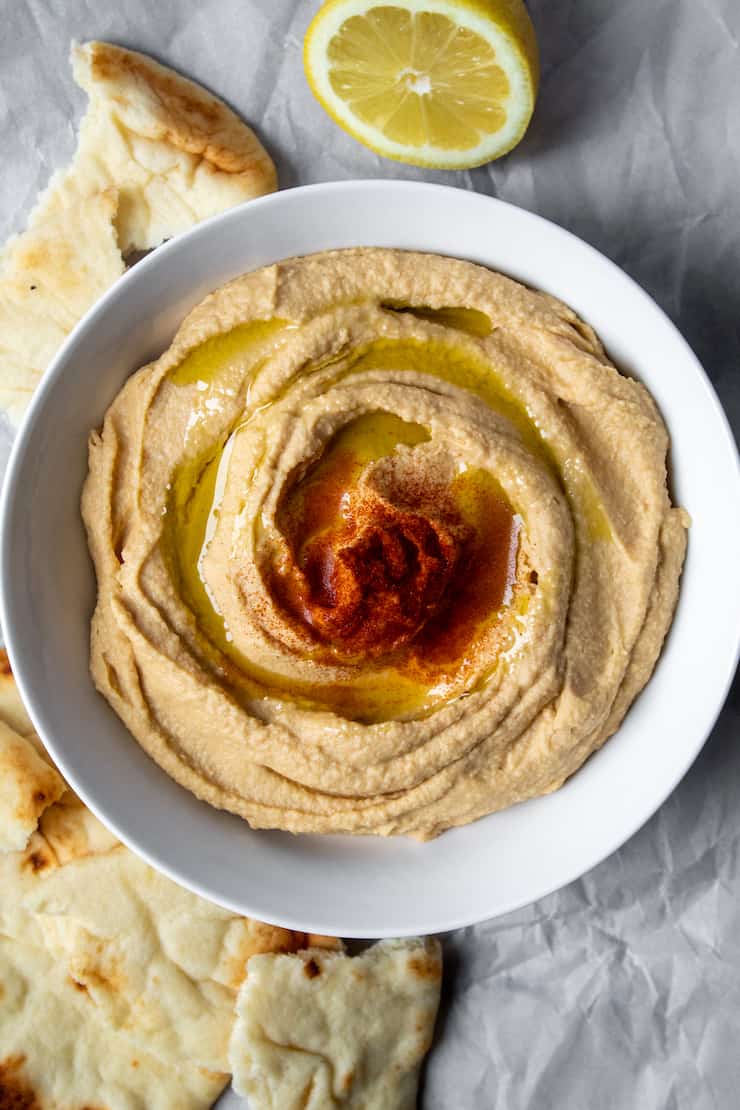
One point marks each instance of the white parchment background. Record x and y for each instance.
(622, 991)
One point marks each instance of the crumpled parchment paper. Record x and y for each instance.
(621, 991)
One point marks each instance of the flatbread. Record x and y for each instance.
(49, 276)
(12, 709)
(28, 786)
(175, 153)
(157, 967)
(67, 831)
(117, 987)
(13, 713)
(20, 875)
(56, 1053)
(156, 154)
(158, 962)
(73, 832)
(322, 1030)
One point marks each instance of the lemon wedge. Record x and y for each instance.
(443, 83)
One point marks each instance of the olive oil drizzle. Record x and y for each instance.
(378, 694)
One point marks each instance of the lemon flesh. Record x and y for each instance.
(443, 83)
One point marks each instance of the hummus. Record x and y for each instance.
(383, 544)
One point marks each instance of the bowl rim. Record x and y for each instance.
(10, 492)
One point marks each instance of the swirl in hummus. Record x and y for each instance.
(383, 544)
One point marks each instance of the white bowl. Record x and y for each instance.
(364, 887)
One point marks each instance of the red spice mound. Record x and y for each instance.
(371, 584)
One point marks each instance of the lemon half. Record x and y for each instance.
(443, 83)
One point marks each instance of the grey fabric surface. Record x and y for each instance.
(621, 991)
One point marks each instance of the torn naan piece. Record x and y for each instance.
(73, 832)
(20, 875)
(49, 276)
(175, 153)
(67, 831)
(13, 713)
(28, 786)
(12, 709)
(322, 1030)
(157, 962)
(156, 154)
(56, 1052)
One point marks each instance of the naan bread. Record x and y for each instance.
(73, 832)
(12, 709)
(67, 831)
(13, 713)
(175, 153)
(49, 276)
(157, 967)
(157, 962)
(117, 987)
(156, 154)
(56, 1054)
(28, 786)
(20, 875)
(322, 1030)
